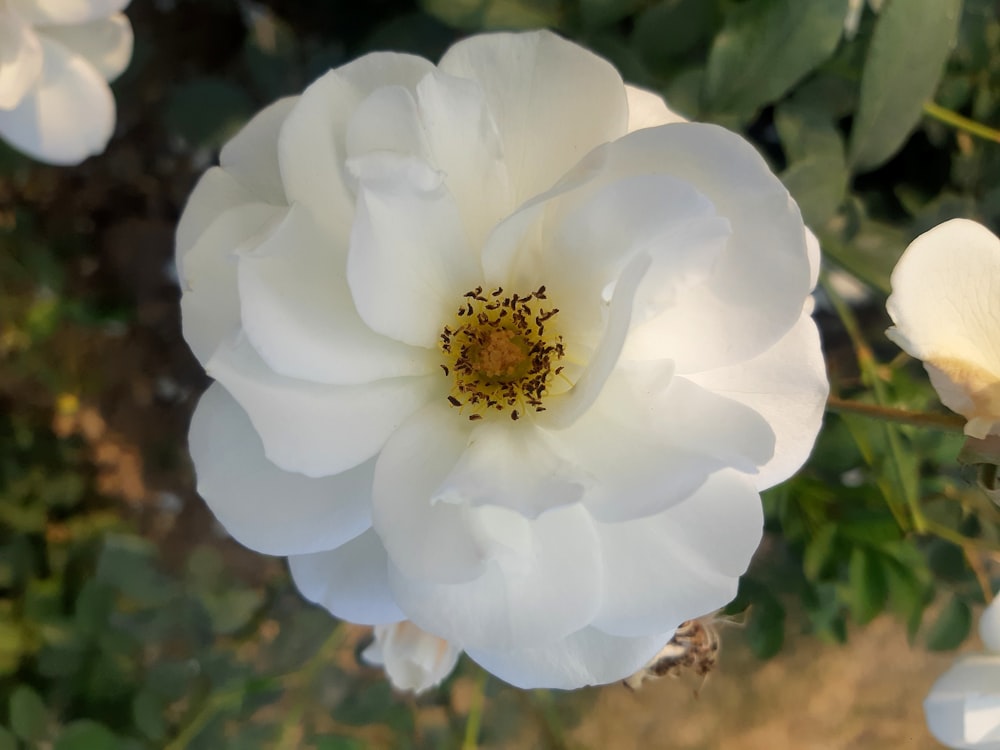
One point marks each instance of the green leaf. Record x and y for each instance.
(495, 14)
(819, 551)
(905, 62)
(669, 30)
(28, 716)
(951, 627)
(147, 714)
(87, 735)
(867, 589)
(597, 13)
(7, 739)
(766, 47)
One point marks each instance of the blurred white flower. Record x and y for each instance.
(945, 303)
(853, 18)
(56, 58)
(963, 706)
(413, 659)
(500, 353)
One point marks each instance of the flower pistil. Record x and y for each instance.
(499, 353)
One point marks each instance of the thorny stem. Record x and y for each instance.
(472, 724)
(869, 366)
(943, 422)
(956, 120)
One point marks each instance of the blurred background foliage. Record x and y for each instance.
(127, 620)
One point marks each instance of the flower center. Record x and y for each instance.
(499, 353)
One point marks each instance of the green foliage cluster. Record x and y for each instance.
(103, 646)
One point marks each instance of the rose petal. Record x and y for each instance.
(105, 43)
(210, 309)
(67, 117)
(21, 59)
(647, 109)
(251, 156)
(552, 101)
(464, 143)
(311, 144)
(262, 507)
(514, 466)
(314, 429)
(350, 581)
(427, 539)
(298, 313)
(989, 626)
(945, 303)
(54, 12)
(947, 708)
(409, 262)
(542, 583)
(587, 657)
(787, 386)
(215, 193)
(681, 564)
(756, 290)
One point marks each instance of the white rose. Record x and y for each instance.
(56, 58)
(963, 707)
(551, 482)
(413, 659)
(945, 303)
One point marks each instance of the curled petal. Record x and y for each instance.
(691, 556)
(552, 101)
(945, 303)
(261, 506)
(251, 156)
(587, 657)
(297, 312)
(311, 143)
(105, 43)
(542, 582)
(409, 262)
(787, 386)
(20, 59)
(68, 116)
(350, 581)
(59, 12)
(210, 307)
(315, 429)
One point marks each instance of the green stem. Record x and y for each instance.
(869, 367)
(475, 720)
(956, 120)
(943, 422)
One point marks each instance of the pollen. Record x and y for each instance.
(499, 354)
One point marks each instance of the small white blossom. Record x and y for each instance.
(945, 303)
(413, 659)
(56, 58)
(963, 707)
(502, 348)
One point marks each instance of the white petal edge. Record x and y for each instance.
(105, 43)
(67, 117)
(947, 707)
(787, 385)
(317, 430)
(298, 313)
(58, 12)
(21, 58)
(350, 581)
(262, 507)
(587, 657)
(413, 659)
(647, 109)
(251, 156)
(552, 101)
